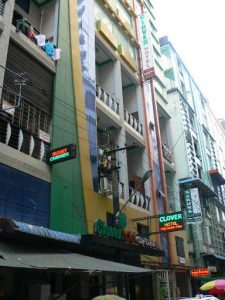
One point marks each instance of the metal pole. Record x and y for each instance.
(115, 186)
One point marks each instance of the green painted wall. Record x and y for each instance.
(67, 200)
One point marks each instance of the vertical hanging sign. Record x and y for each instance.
(194, 212)
(144, 34)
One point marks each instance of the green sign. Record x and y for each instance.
(171, 222)
(101, 228)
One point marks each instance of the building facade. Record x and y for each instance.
(91, 77)
(198, 155)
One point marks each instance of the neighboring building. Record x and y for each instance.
(199, 161)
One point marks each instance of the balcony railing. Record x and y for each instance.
(22, 25)
(2, 7)
(133, 122)
(139, 199)
(108, 100)
(167, 153)
(24, 128)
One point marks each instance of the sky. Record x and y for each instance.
(196, 29)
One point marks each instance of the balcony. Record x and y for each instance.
(139, 199)
(107, 99)
(25, 128)
(167, 154)
(168, 159)
(2, 7)
(133, 122)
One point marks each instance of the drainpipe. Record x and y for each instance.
(159, 143)
(147, 132)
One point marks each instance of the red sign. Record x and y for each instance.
(61, 154)
(199, 272)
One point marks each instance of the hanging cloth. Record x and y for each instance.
(49, 49)
(57, 54)
(41, 38)
(30, 32)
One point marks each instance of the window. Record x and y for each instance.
(109, 219)
(184, 93)
(192, 120)
(208, 234)
(23, 197)
(199, 171)
(217, 214)
(180, 246)
(24, 4)
(196, 148)
(143, 230)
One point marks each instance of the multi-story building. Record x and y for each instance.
(199, 161)
(96, 98)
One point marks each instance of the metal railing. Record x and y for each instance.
(139, 199)
(24, 126)
(22, 25)
(133, 122)
(107, 99)
(2, 7)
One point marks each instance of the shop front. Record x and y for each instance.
(122, 246)
(38, 263)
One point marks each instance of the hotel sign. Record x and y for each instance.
(171, 222)
(144, 34)
(193, 205)
(200, 272)
(61, 154)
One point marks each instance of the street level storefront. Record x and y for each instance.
(36, 263)
(121, 245)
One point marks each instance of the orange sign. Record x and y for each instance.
(199, 272)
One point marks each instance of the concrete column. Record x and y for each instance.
(121, 155)
(5, 37)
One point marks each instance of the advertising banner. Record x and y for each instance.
(193, 205)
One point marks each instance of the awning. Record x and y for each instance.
(17, 256)
(219, 257)
(216, 177)
(13, 226)
(190, 183)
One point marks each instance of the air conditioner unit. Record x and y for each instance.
(105, 186)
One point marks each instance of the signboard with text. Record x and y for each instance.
(171, 222)
(119, 233)
(193, 205)
(200, 272)
(61, 154)
(144, 33)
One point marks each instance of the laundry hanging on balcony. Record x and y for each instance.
(57, 54)
(40, 38)
(49, 49)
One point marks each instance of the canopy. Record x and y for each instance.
(17, 256)
(190, 183)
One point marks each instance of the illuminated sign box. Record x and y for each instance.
(200, 272)
(171, 222)
(61, 154)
